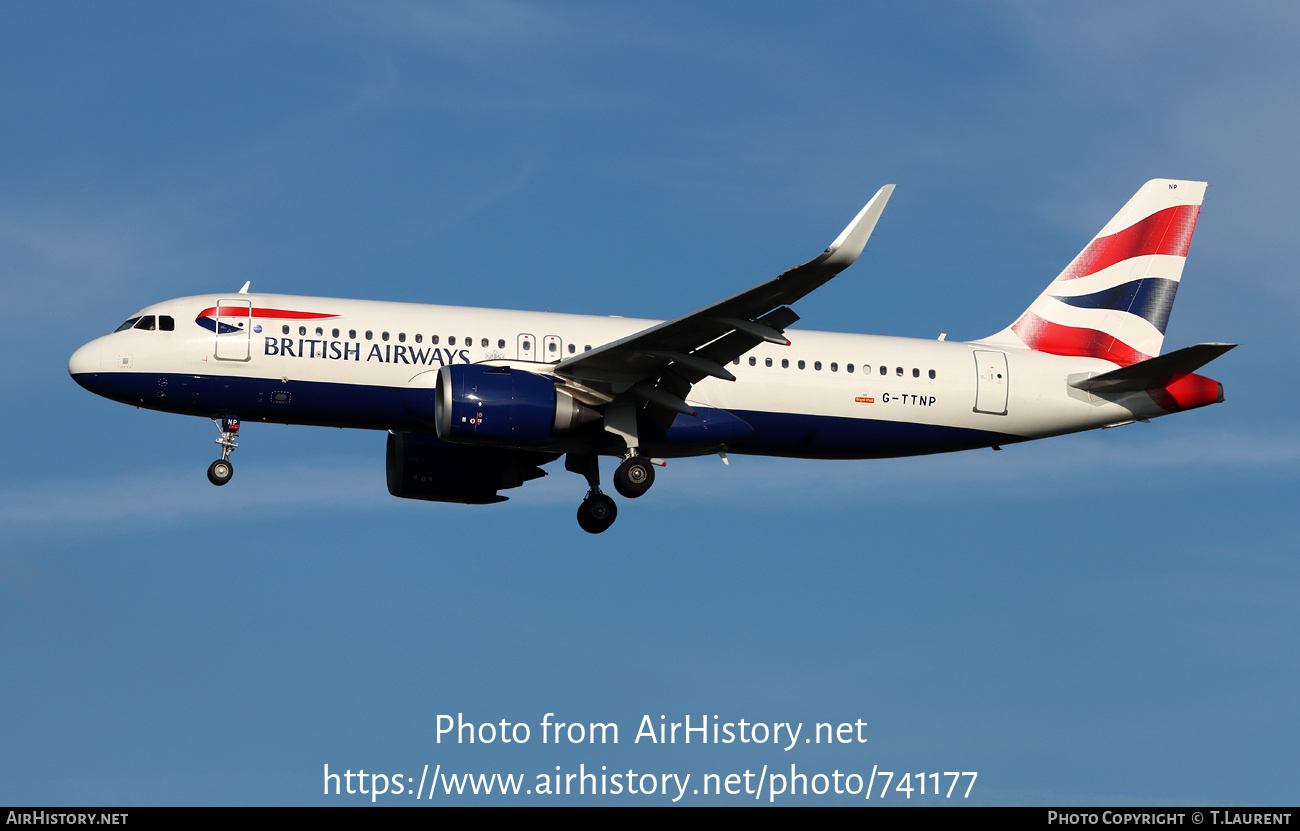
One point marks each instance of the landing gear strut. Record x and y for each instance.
(636, 473)
(597, 511)
(220, 471)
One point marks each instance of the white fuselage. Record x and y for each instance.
(343, 367)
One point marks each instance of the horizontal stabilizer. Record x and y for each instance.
(1154, 373)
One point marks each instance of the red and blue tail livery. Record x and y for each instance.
(478, 401)
(1113, 300)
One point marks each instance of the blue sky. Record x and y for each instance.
(1107, 618)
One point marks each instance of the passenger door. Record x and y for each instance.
(991, 382)
(234, 319)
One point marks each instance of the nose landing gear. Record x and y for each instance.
(220, 471)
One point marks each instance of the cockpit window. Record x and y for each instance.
(166, 323)
(147, 323)
(129, 323)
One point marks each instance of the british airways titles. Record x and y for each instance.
(387, 353)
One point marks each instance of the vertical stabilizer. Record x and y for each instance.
(1113, 300)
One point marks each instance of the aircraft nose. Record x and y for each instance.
(84, 361)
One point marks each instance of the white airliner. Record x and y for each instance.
(476, 400)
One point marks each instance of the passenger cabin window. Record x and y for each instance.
(484, 343)
(383, 335)
(335, 333)
(302, 330)
(451, 341)
(401, 337)
(284, 329)
(932, 375)
(433, 339)
(419, 338)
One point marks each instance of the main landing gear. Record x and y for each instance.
(220, 471)
(597, 512)
(634, 476)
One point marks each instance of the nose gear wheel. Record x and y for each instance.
(220, 471)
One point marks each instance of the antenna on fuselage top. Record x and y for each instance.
(244, 290)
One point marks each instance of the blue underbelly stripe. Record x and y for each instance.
(382, 408)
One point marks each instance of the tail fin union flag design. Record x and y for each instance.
(1113, 300)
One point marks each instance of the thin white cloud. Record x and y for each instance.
(1209, 89)
(480, 32)
(1091, 462)
(70, 259)
(170, 496)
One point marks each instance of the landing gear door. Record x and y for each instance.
(991, 383)
(234, 320)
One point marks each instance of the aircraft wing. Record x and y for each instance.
(662, 363)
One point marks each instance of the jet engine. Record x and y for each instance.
(478, 404)
(422, 467)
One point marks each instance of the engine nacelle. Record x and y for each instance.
(480, 404)
(422, 467)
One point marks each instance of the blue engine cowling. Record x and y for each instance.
(422, 467)
(478, 404)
